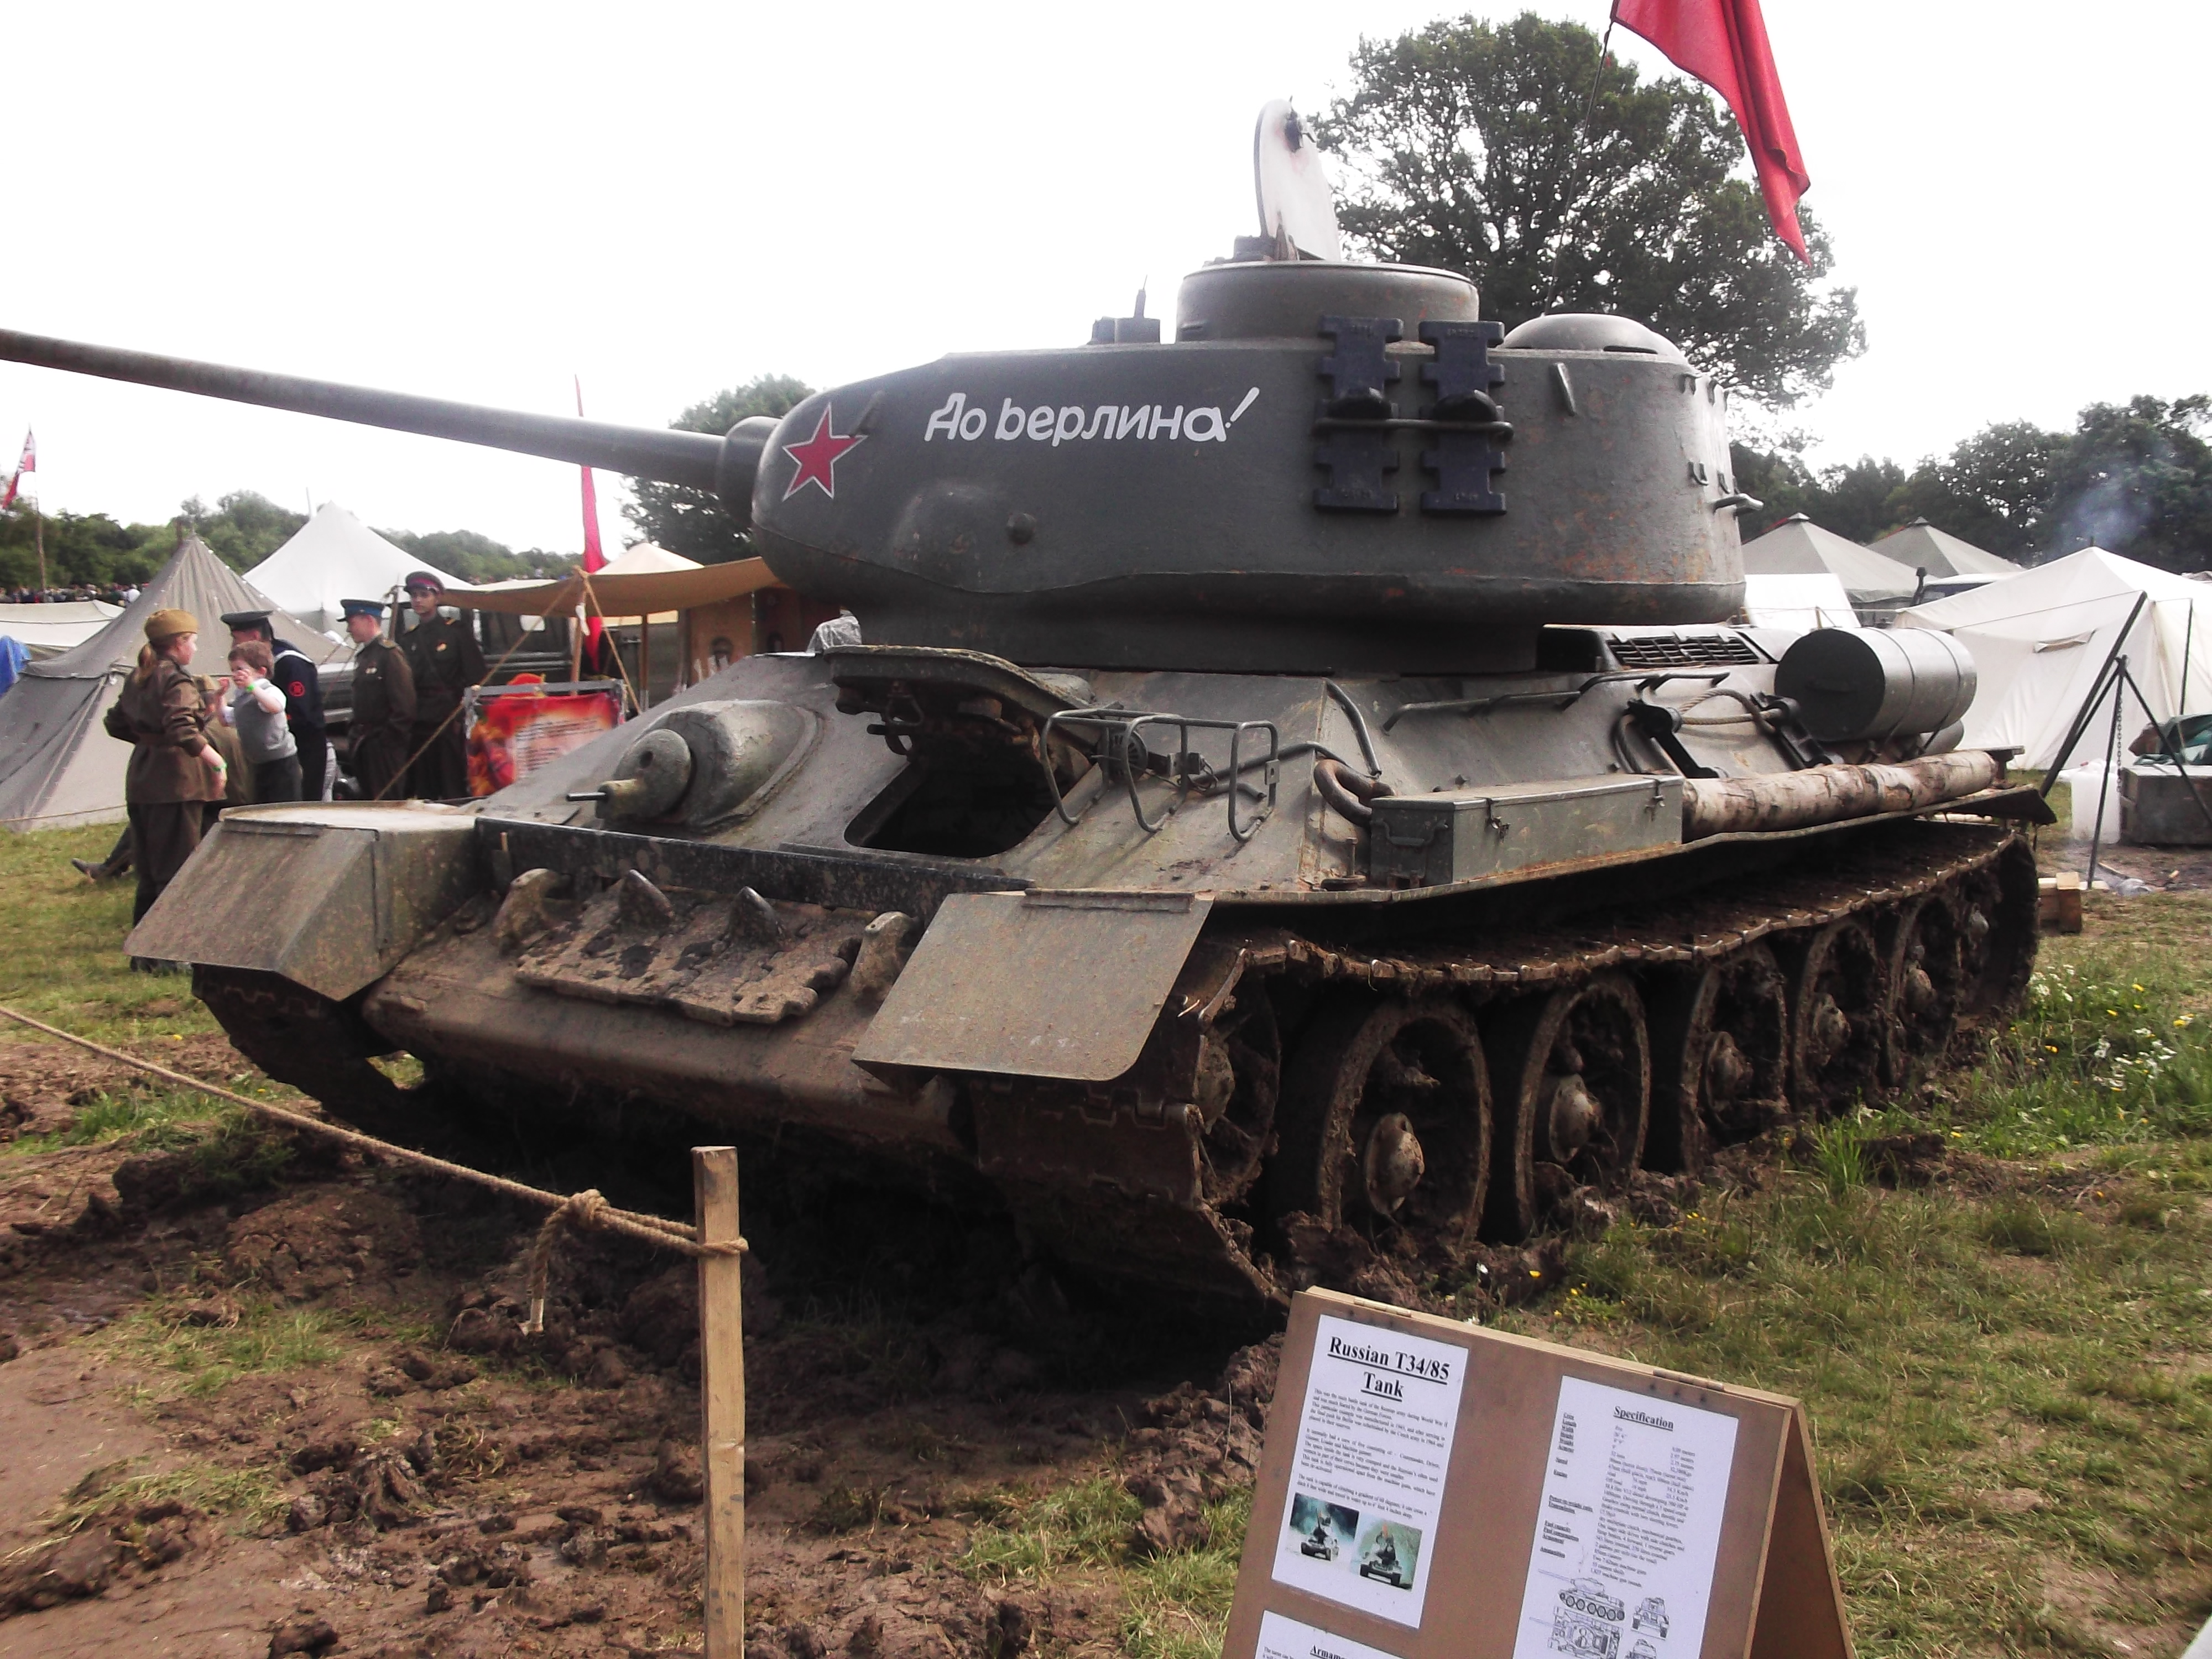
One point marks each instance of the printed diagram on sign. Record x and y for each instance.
(1587, 1621)
(1652, 1615)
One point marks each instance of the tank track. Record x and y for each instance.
(1421, 1102)
(1647, 1039)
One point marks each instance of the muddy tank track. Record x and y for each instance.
(1434, 1098)
(1306, 1099)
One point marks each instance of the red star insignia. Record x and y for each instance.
(817, 459)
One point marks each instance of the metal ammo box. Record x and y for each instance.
(1425, 841)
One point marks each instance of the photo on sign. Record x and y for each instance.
(1321, 1531)
(1389, 1552)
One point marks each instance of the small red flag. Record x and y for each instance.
(29, 463)
(594, 558)
(1723, 43)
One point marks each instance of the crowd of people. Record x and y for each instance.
(113, 593)
(256, 734)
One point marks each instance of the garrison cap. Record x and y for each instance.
(363, 608)
(234, 620)
(167, 623)
(423, 580)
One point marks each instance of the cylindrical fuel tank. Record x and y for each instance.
(1851, 683)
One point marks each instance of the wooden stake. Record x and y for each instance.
(722, 1398)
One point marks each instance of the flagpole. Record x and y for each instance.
(38, 537)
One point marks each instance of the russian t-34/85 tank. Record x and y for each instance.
(1300, 775)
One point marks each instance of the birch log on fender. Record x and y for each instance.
(1823, 795)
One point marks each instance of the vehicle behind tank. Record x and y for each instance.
(1302, 800)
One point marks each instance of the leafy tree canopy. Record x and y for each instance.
(691, 522)
(2135, 478)
(477, 558)
(1464, 145)
(245, 527)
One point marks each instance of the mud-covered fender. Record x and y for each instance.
(330, 896)
(1063, 985)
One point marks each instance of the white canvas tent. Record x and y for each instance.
(1798, 547)
(45, 630)
(2039, 639)
(1798, 603)
(58, 765)
(334, 557)
(1921, 546)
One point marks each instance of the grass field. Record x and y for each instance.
(2008, 1372)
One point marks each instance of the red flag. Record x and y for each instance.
(1723, 43)
(594, 558)
(29, 463)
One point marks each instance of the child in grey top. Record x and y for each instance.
(255, 709)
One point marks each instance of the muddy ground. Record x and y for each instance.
(257, 1399)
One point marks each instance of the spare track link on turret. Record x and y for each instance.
(1598, 1046)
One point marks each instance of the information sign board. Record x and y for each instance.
(1432, 1490)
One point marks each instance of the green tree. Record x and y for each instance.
(245, 528)
(1994, 490)
(691, 522)
(1464, 145)
(2136, 478)
(82, 550)
(475, 558)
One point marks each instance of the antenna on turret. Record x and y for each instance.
(1297, 204)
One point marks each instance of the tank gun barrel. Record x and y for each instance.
(698, 460)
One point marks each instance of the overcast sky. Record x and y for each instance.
(477, 202)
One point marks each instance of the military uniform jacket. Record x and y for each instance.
(302, 686)
(446, 661)
(163, 717)
(383, 690)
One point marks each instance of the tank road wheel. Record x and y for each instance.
(1386, 1121)
(1239, 1075)
(1720, 1057)
(1570, 1075)
(1926, 974)
(1838, 1017)
(1997, 932)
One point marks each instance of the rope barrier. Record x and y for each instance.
(588, 1208)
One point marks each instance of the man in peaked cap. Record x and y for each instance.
(383, 702)
(446, 661)
(302, 686)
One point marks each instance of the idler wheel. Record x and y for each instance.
(1386, 1121)
(1838, 1017)
(1720, 1057)
(1926, 972)
(1571, 1077)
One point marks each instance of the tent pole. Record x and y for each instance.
(2188, 634)
(2105, 784)
(644, 662)
(2089, 703)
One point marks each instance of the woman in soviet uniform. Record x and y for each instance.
(174, 770)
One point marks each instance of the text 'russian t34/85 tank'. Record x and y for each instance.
(1299, 778)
